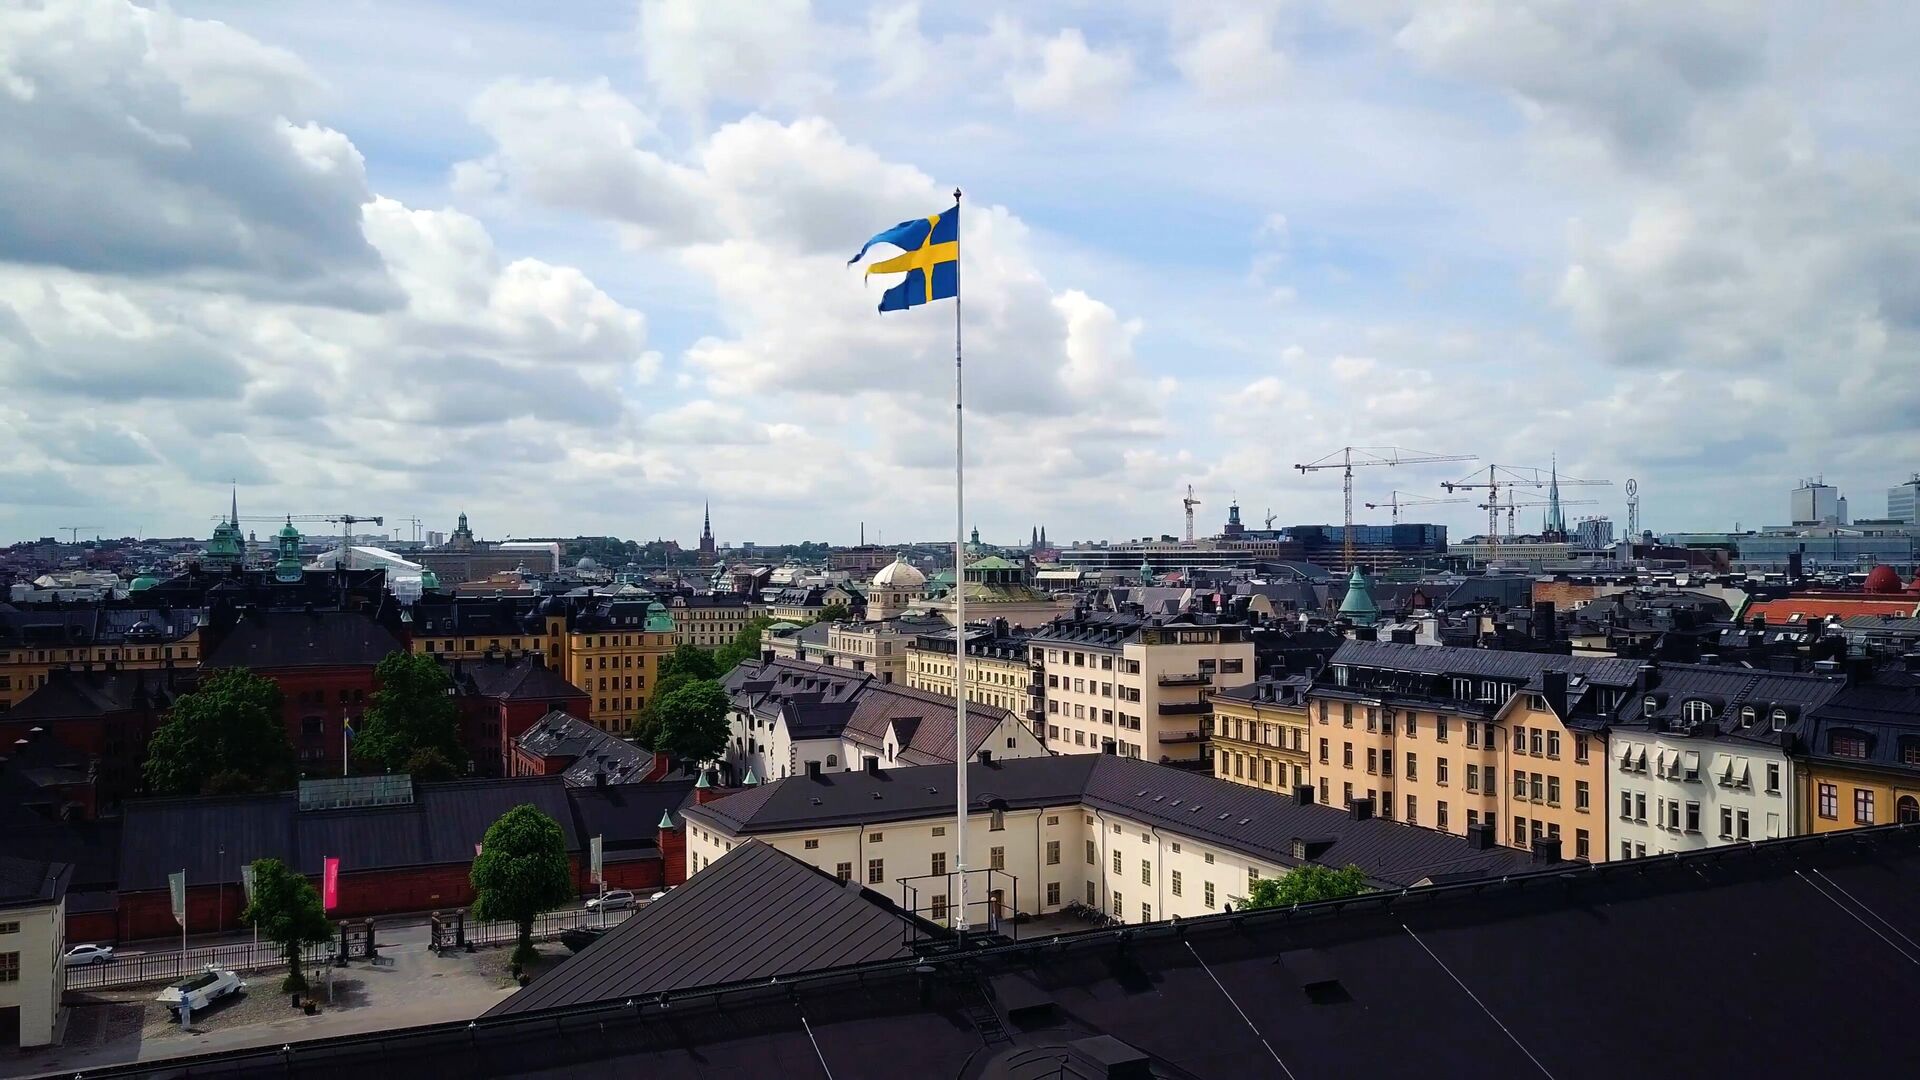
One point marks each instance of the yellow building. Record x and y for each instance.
(710, 620)
(34, 642)
(1260, 734)
(1862, 765)
(998, 672)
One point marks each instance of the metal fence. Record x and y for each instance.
(167, 966)
(545, 928)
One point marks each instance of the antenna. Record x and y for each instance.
(1633, 511)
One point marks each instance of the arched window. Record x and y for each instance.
(1747, 715)
(1696, 712)
(1907, 809)
(832, 760)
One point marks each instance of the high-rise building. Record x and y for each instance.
(1815, 502)
(1903, 501)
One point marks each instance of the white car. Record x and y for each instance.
(615, 900)
(202, 990)
(89, 954)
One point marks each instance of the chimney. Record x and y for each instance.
(872, 765)
(703, 791)
(1760, 621)
(1365, 633)
(1480, 836)
(813, 770)
(766, 656)
(673, 850)
(1107, 747)
(1827, 667)
(599, 778)
(1910, 661)
(1404, 635)
(1553, 687)
(1303, 794)
(1360, 809)
(1543, 621)
(1546, 849)
(986, 757)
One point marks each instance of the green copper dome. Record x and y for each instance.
(1359, 605)
(143, 583)
(429, 580)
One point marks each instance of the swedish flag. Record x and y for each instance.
(931, 260)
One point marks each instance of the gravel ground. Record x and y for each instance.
(496, 964)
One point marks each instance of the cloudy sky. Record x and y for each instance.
(580, 267)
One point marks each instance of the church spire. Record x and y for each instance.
(234, 515)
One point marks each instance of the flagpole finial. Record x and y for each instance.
(956, 194)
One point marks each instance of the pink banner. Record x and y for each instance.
(330, 884)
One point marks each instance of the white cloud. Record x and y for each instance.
(1069, 75)
(694, 52)
(1227, 51)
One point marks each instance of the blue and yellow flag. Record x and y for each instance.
(931, 260)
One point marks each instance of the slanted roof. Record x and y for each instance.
(32, 882)
(522, 678)
(627, 816)
(1484, 663)
(754, 914)
(596, 754)
(274, 640)
(1258, 824)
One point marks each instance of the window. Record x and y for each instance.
(1118, 909)
(843, 871)
(1626, 850)
(1207, 891)
(937, 863)
(1829, 801)
(9, 967)
(1693, 817)
(1053, 894)
(997, 821)
(1440, 727)
(1116, 863)
(1473, 777)
(1519, 829)
(1553, 791)
(1773, 778)
(1092, 859)
(1440, 771)
(876, 871)
(1580, 749)
(1582, 844)
(1847, 744)
(1726, 823)
(9, 927)
(1696, 712)
(1146, 872)
(1553, 744)
(939, 912)
(874, 837)
(1907, 810)
(1208, 856)
(1346, 714)
(1640, 806)
(1146, 912)
(1534, 741)
(1413, 811)
(1091, 898)
(1519, 783)
(813, 845)
(1473, 734)
(1413, 767)
(1582, 795)
(1053, 853)
(1440, 815)
(1372, 760)
(1253, 875)
(1175, 883)
(1862, 806)
(1742, 828)
(1323, 751)
(939, 830)
(997, 858)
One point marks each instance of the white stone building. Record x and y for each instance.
(33, 944)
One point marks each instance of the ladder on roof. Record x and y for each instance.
(979, 1010)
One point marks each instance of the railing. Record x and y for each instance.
(545, 927)
(1184, 708)
(1180, 737)
(168, 966)
(1198, 678)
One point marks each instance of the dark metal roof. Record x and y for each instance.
(627, 816)
(1258, 824)
(754, 914)
(1484, 663)
(1729, 691)
(32, 882)
(67, 694)
(440, 826)
(596, 754)
(295, 639)
(522, 678)
(1542, 974)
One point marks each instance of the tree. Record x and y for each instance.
(522, 870)
(1305, 884)
(745, 645)
(287, 910)
(225, 736)
(428, 763)
(412, 711)
(646, 730)
(693, 721)
(690, 660)
(832, 613)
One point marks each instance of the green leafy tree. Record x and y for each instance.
(832, 613)
(690, 660)
(522, 870)
(1305, 884)
(412, 711)
(646, 730)
(287, 910)
(693, 721)
(745, 645)
(225, 736)
(428, 763)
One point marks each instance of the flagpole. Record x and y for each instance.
(959, 597)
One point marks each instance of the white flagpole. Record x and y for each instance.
(959, 598)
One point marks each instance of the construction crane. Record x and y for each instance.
(1269, 519)
(1347, 458)
(1189, 502)
(345, 521)
(1510, 506)
(1508, 477)
(73, 531)
(413, 521)
(1398, 499)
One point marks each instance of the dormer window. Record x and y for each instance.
(1650, 705)
(1847, 744)
(1696, 712)
(1778, 718)
(1747, 716)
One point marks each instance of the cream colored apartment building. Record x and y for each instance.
(1139, 841)
(1134, 682)
(1260, 734)
(997, 668)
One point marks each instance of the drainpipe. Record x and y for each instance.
(1159, 874)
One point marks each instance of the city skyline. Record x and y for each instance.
(589, 278)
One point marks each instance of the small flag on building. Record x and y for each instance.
(594, 848)
(476, 849)
(329, 884)
(246, 881)
(177, 887)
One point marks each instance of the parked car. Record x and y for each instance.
(615, 900)
(202, 990)
(89, 954)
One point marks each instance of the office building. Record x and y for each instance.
(1815, 502)
(1903, 501)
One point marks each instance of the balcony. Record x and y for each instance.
(1174, 737)
(1036, 716)
(1198, 678)
(1185, 708)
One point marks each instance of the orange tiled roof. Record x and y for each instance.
(1819, 607)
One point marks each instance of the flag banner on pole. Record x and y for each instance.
(931, 260)
(594, 847)
(177, 886)
(329, 884)
(476, 849)
(246, 881)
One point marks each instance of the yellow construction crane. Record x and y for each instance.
(1348, 458)
(345, 521)
(73, 531)
(1510, 506)
(1398, 499)
(1508, 477)
(1190, 502)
